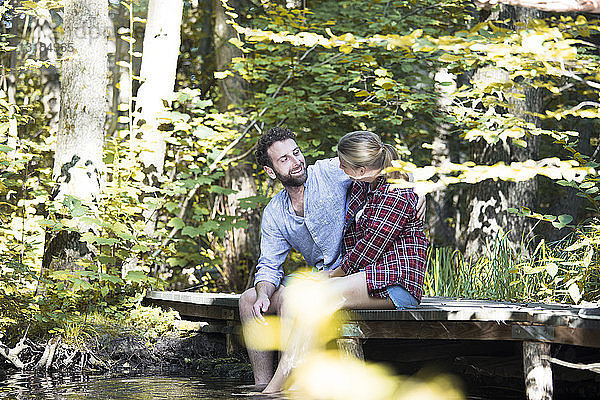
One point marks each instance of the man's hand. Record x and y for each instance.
(260, 307)
(264, 291)
(421, 206)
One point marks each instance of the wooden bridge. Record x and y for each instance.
(535, 325)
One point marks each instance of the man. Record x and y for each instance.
(307, 215)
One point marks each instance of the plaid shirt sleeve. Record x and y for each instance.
(388, 211)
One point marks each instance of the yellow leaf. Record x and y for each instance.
(222, 74)
(346, 48)
(236, 42)
(449, 58)
(574, 292)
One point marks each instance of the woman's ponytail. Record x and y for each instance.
(390, 155)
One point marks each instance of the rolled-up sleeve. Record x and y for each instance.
(274, 249)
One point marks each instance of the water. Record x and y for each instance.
(24, 386)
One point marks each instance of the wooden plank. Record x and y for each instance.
(435, 318)
(436, 314)
(210, 299)
(461, 330)
(198, 310)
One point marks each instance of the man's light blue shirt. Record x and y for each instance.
(317, 235)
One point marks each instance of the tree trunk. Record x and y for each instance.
(78, 157)
(232, 89)
(567, 6)
(488, 201)
(241, 245)
(9, 85)
(442, 212)
(43, 37)
(520, 229)
(162, 38)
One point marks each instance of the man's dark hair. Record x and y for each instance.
(266, 140)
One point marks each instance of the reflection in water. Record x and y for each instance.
(27, 386)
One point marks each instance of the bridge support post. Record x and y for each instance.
(537, 370)
(232, 342)
(351, 347)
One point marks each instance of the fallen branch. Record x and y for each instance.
(46, 360)
(595, 367)
(12, 355)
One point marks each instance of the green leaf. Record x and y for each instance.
(137, 277)
(191, 231)
(221, 190)
(60, 275)
(209, 226)
(140, 248)
(80, 284)
(111, 278)
(252, 201)
(563, 220)
(176, 223)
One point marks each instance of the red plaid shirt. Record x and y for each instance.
(387, 241)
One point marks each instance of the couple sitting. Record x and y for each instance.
(346, 220)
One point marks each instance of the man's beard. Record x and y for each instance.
(290, 180)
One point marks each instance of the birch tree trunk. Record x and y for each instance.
(9, 85)
(78, 157)
(162, 39)
(43, 37)
(240, 245)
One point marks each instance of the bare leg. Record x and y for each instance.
(353, 290)
(261, 361)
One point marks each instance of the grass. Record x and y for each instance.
(566, 271)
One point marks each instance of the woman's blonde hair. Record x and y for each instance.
(365, 149)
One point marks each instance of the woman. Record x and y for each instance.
(385, 249)
(384, 243)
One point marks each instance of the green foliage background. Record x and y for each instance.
(323, 71)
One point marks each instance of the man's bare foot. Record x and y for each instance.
(272, 388)
(257, 387)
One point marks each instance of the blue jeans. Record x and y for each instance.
(401, 298)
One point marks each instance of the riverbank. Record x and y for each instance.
(149, 341)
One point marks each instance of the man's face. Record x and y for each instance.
(289, 165)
